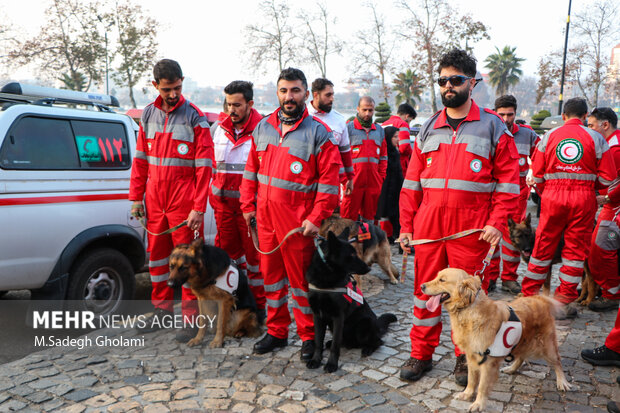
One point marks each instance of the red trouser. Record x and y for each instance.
(234, 238)
(603, 259)
(466, 253)
(386, 226)
(362, 201)
(287, 266)
(510, 255)
(160, 248)
(568, 209)
(613, 339)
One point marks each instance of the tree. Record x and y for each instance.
(383, 111)
(272, 40)
(69, 43)
(136, 46)
(504, 69)
(373, 51)
(595, 31)
(316, 37)
(408, 87)
(432, 27)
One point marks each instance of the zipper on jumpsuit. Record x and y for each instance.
(448, 170)
(161, 159)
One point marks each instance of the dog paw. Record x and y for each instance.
(476, 407)
(508, 370)
(313, 364)
(216, 344)
(193, 342)
(367, 352)
(463, 396)
(393, 281)
(330, 367)
(563, 385)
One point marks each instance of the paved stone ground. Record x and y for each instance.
(166, 376)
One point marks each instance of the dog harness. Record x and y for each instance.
(229, 281)
(364, 232)
(506, 338)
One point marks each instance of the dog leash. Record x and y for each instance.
(168, 231)
(461, 234)
(254, 235)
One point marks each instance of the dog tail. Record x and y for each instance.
(555, 307)
(384, 321)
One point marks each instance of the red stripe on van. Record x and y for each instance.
(61, 199)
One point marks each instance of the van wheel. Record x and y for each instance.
(101, 281)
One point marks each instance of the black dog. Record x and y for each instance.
(338, 304)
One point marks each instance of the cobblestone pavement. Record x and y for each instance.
(166, 376)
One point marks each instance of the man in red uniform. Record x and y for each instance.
(290, 181)
(405, 114)
(232, 141)
(463, 174)
(171, 172)
(369, 152)
(603, 259)
(525, 141)
(321, 107)
(566, 165)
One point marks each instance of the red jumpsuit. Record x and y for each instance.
(525, 141)
(369, 153)
(456, 180)
(404, 140)
(603, 258)
(566, 164)
(287, 180)
(232, 232)
(171, 172)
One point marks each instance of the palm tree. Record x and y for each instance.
(408, 87)
(504, 69)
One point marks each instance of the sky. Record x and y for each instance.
(207, 37)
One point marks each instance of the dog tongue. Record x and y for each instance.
(433, 303)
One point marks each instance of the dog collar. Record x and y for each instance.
(351, 292)
(506, 339)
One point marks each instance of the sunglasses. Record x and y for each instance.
(456, 80)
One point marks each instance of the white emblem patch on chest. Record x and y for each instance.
(183, 148)
(522, 161)
(296, 167)
(476, 165)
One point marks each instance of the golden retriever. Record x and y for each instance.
(475, 321)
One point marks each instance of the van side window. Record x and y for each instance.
(39, 143)
(101, 144)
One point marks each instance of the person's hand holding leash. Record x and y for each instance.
(529, 180)
(195, 220)
(137, 209)
(348, 187)
(248, 217)
(310, 230)
(490, 234)
(405, 241)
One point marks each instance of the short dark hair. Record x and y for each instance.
(506, 101)
(406, 109)
(575, 108)
(368, 99)
(459, 59)
(167, 69)
(292, 74)
(605, 113)
(240, 86)
(320, 84)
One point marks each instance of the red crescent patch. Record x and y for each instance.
(565, 151)
(506, 344)
(232, 286)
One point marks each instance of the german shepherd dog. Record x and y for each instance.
(337, 303)
(522, 237)
(375, 249)
(476, 320)
(201, 265)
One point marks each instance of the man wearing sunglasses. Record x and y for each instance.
(463, 174)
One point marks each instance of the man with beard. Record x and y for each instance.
(232, 141)
(321, 107)
(525, 141)
(290, 181)
(369, 152)
(171, 172)
(463, 174)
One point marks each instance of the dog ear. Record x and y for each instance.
(196, 246)
(469, 288)
(528, 219)
(511, 223)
